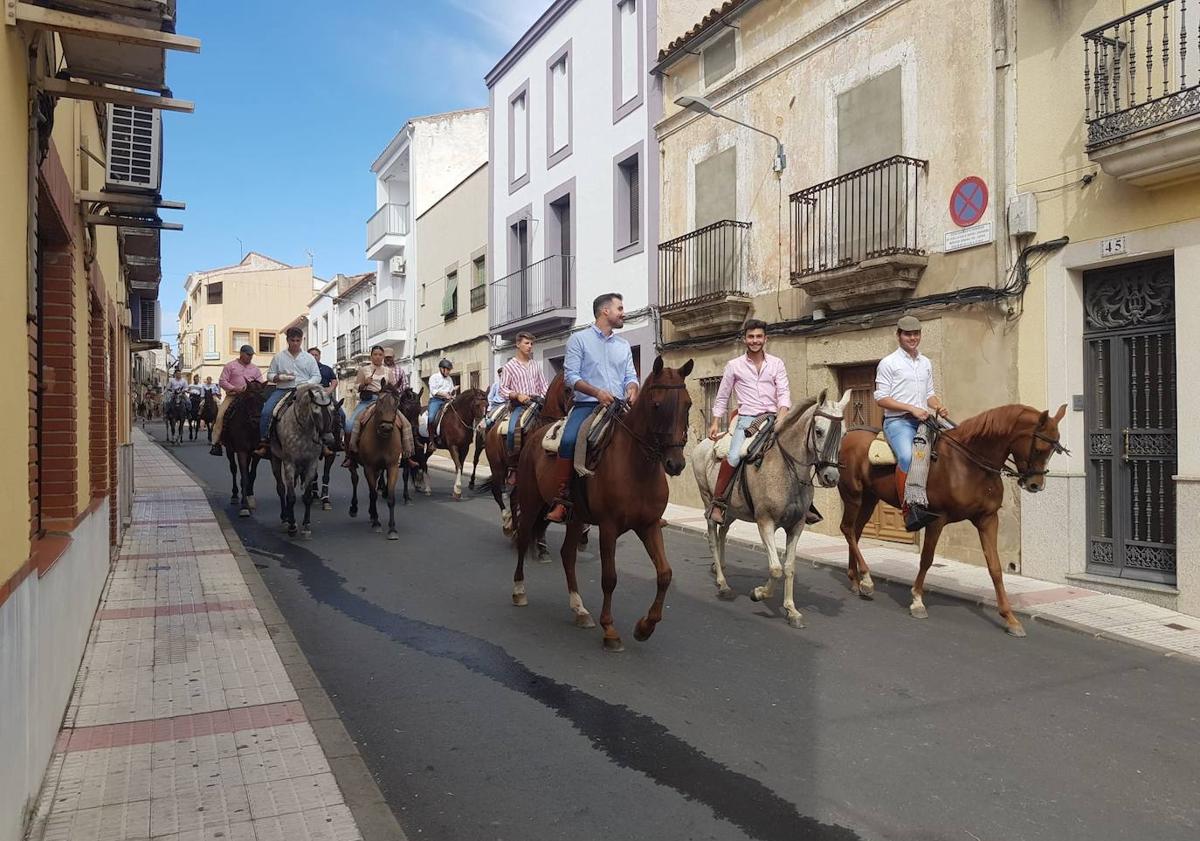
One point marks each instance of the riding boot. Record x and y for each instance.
(216, 450)
(263, 449)
(720, 499)
(562, 500)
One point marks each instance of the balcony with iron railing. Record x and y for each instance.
(854, 238)
(385, 321)
(1142, 94)
(702, 278)
(387, 230)
(341, 348)
(540, 296)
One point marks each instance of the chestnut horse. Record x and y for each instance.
(384, 443)
(457, 431)
(628, 491)
(969, 463)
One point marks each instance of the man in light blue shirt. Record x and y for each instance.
(289, 369)
(598, 366)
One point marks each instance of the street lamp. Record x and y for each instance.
(700, 105)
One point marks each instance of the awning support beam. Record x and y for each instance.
(96, 27)
(96, 93)
(130, 222)
(130, 200)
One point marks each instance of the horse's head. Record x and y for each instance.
(477, 404)
(314, 402)
(668, 403)
(825, 438)
(1032, 458)
(387, 407)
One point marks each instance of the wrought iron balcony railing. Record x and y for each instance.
(867, 213)
(1137, 73)
(341, 348)
(707, 264)
(544, 287)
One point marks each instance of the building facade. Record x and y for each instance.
(452, 319)
(79, 254)
(574, 179)
(321, 327)
(1106, 322)
(356, 294)
(426, 159)
(232, 306)
(879, 117)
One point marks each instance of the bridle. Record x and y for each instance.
(828, 455)
(656, 450)
(1011, 468)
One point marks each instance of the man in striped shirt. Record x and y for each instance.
(521, 380)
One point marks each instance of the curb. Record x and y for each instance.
(375, 819)
(1031, 612)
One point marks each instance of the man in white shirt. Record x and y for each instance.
(289, 369)
(212, 388)
(904, 389)
(441, 390)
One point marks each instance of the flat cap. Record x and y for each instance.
(246, 349)
(909, 324)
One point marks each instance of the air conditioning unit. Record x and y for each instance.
(146, 323)
(397, 265)
(134, 159)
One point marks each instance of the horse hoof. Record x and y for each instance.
(726, 594)
(866, 595)
(1015, 631)
(796, 621)
(245, 512)
(306, 534)
(642, 630)
(918, 611)
(377, 529)
(544, 558)
(291, 530)
(584, 620)
(325, 506)
(520, 599)
(756, 595)
(253, 503)
(868, 586)
(393, 535)
(613, 645)
(233, 500)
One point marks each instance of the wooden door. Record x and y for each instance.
(886, 523)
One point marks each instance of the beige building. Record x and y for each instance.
(880, 116)
(226, 308)
(452, 318)
(1105, 324)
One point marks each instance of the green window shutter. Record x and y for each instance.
(450, 296)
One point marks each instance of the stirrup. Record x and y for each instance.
(565, 505)
(716, 512)
(917, 517)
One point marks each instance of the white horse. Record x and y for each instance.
(778, 493)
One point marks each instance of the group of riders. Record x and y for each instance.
(598, 372)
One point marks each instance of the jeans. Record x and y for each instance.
(900, 432)
(435, 406)
(264, 421)
(579, 413)
(365, 401)
(738, 438)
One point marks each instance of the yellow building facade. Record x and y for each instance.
(879, 117)
(228, 307)
(1108, 152)
(80, 265)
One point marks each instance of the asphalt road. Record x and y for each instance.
(481, 720)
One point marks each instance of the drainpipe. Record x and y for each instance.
(1003, 18)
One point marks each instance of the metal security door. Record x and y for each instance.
(1129, 350)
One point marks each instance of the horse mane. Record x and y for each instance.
(794, 414)
(999, 422)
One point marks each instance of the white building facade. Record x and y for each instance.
(322, 329)
(573, 189)
(426, 159)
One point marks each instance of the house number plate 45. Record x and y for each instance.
(1112, 247)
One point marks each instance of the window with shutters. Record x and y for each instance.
(239, 338)
(628, 61)
(558, 106)
(450, 296)
(518, 138)
(627, 226)
(478, 283)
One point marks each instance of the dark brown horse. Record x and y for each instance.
(384, 442)
(410, 407)
(208, 413)
(339, 443)
(239, 436)
(628, 492)
(457, 431)
(966, 476)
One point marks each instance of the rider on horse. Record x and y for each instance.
(598, 366)
(369, 382)
(760, 382)
(904, 390)
(441, 390)
(496, 402)
(399, 377)
(521, 381)
(329, 380)
(235, 376)
(212, 388)
(289, 369)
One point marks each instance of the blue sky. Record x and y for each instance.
(294, 100)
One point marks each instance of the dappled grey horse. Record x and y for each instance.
(777, 494)
(301, 433)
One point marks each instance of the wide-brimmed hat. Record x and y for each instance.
(909, 324)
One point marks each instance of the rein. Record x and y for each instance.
(1010, 468)
(827, 458)
(656, 452)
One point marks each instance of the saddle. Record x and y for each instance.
(528, 418)
(880, 453)
(594, 435)
(280, 408)
(758, 439)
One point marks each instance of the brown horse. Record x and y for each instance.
(965, 483)
(628, 491)
(239, 436)
(384, 442)
(410, 407)
(457, 431)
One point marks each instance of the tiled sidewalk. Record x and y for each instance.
(184, 724)
(1113, 617)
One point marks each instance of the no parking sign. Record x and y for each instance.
(968, 201)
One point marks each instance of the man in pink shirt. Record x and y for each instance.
(234, 377)
(521, 380)
(760, 383)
